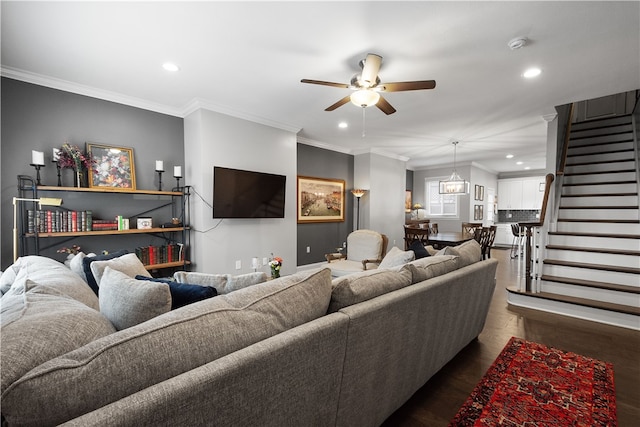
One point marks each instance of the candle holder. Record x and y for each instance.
(177, 182)
(58, 168)
(37, 172)
(159, 180)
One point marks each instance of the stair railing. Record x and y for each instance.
(561, 161)
(533, 241)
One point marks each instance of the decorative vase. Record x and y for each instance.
(78, 178)
(275, 273)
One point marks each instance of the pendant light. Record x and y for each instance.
(454, 185)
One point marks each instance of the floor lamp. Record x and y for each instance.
(358, 193)
(43, 201)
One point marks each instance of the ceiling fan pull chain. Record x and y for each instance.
(363, 121)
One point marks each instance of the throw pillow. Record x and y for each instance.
(76, 265)
(86, 266)
(39, 324)
(128, 264)
(418, 249)
(224, 283)
(127, 302)
(469, 252)
(396, 257)
(184, 293)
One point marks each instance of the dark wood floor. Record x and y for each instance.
(436, 403)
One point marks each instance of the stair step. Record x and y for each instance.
(592, 284)
(608, 131)
(619, 308)
(598, 220)
(615, 268)
(605, 235)
(581, 226)
(600, 172)
(600, 145)
(600, 178)
(601, 195)
(586, 201)
(600, 207)
(592, 168)
(597, 189)
(624, 119)
(595, 250)
(600, 158)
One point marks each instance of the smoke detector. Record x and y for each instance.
(517, 43)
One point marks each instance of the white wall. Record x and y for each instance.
(382, 208)
(216, 139)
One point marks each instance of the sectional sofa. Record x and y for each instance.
(301, 350)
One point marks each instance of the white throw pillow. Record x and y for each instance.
(127, 302)
(128, 264)
(396, 257)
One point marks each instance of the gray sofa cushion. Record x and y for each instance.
(469, 252)
(39, 323)
(358, 287)
(56, 275)
(127, 302)
(433, 266)
(127, 361)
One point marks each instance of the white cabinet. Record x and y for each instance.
(521, 193)
(510, 194)
(504, 236)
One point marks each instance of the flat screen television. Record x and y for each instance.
(247, 194)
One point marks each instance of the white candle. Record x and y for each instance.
(177, 171)
(159, 166)
(37, 157)
(56, 154)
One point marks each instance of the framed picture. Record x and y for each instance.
(476, 193)
(478, 214)
(113, 167)
(407, 201)
(320, 200)
(481, 194)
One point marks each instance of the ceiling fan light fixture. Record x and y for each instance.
(365, 98)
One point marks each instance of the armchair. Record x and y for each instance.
(365, 250)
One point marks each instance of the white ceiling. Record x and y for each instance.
(247, 58)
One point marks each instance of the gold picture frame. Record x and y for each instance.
(112, 167)
(320, 200)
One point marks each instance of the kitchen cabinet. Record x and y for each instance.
(521, 193)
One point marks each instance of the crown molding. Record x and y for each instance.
(131, 101)
(203, 104)
(89, 91)
(381, 152)
(323, 145)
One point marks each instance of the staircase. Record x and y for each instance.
(591, 266)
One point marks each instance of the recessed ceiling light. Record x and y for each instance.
(527, 168)
(531, 73)
(509, 156)
(343, 125)
(169, 66)
(518, 163)
(517, 43)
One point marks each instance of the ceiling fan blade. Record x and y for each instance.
(339, 103)
(384, 105)
(320, 82)
(370, 70)
(402, 86)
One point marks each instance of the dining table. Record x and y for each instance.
(448, 238)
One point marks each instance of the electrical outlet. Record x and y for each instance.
(238, 265)
(265, 261)
(308, 249)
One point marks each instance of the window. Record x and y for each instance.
(440, 204)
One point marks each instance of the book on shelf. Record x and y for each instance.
(151, 255)
(58, 221)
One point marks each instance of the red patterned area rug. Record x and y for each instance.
(531, 385)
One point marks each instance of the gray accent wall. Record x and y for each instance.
(323, 238)
(40, 118)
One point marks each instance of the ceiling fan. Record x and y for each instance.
(367, 86)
